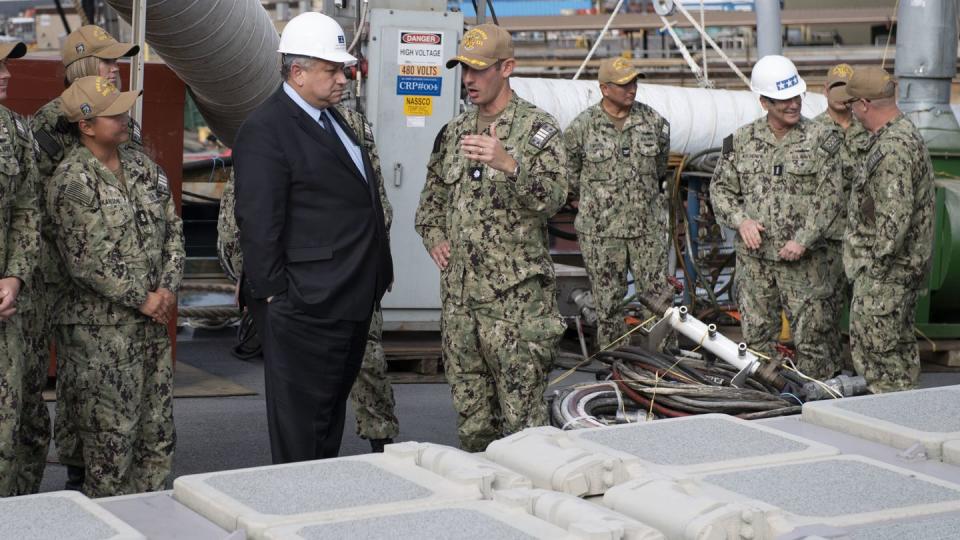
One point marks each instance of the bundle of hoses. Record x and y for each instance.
(647, 385)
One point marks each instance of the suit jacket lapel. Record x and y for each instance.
(352, 135)
(312, 127)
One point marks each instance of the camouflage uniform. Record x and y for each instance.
(852, 153)
(500, 321)
(54, 141)
(792, 187)
(118, 240)
(371, 395)
(622, 219)
(228, 235)
(887, 253)
(18, 254)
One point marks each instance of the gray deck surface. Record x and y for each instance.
(53, 517)
(316, 486)
(934, 412)
(693, 441)
(833, 488)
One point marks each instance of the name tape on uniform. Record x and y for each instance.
(417, 106)
(418, 86)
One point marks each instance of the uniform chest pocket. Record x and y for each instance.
(599, 161)
(649, 149)
(801, 174)
(599, 152)
(154, 205)
(751, 165)
(453, 173)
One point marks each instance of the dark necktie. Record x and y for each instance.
(327, 122)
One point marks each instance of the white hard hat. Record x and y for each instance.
(776, 77)
(317, 36)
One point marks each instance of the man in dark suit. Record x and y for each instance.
(316, 253)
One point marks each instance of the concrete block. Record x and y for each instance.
(769, 501)
(951, 452)
(696, 444)
(482, 520)
(902, 420)
(358, 486)
(587, 462)
(580, 518)
(60, 514)
(459, 466)
(552, 460)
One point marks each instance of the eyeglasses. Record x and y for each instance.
(780, 103)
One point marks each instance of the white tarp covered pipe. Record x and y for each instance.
(699, 118)
(224, 50)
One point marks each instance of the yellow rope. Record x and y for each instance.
(933, 345)
(590, 358)
(792, 367)
(656, 384)
(78, 5)
(700, 343)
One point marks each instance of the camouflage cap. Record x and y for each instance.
(868, 82)
(91, 40)
(89, 97)
(12, 49)
(838, 74)
(617, 71)
(482, 46)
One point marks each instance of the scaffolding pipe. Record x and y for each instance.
(769, 37)
(224, 50)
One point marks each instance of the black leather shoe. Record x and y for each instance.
(376, 445)
(75, 477)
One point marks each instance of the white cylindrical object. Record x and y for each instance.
(699, 118)
(720, 345)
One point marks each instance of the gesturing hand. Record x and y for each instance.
(488, 149)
